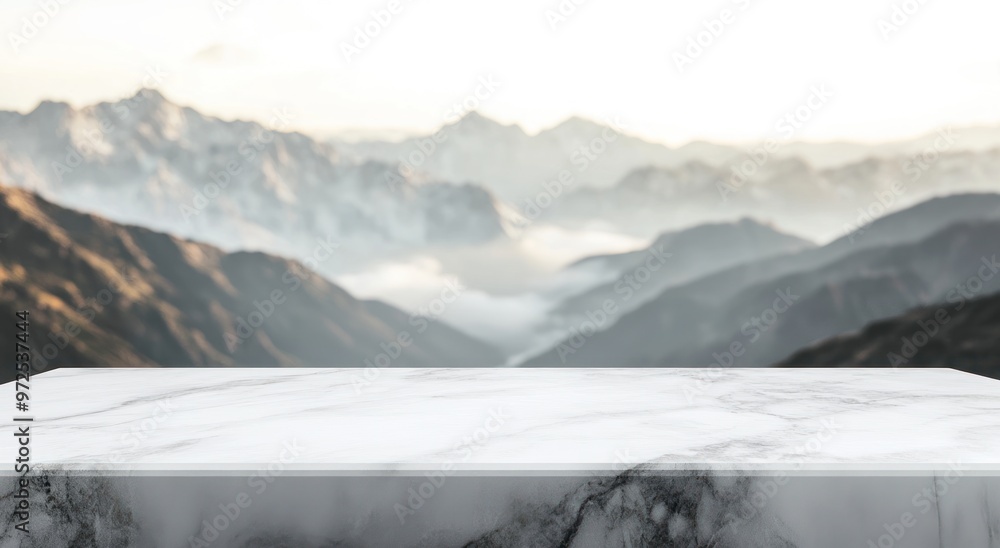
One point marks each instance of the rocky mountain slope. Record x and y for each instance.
(105, 294)
(960, 334)
(771, 307)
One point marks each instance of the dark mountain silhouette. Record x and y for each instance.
(962, 335)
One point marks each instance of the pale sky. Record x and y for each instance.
(607, 59)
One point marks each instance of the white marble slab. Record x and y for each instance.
(245, 458)
(516, 420)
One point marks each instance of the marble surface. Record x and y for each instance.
(490, 458)
(500, 420)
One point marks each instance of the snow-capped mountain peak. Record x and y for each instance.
(147, 161)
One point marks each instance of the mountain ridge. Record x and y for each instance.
(679, 324)
(235, 184)
(962, 335)
(106, 294)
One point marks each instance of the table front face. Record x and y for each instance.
(275, 508)
(514, 420)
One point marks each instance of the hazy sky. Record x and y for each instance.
(606, 59)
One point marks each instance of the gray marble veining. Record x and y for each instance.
(548, 419)
(484, 458)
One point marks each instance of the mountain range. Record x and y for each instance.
(513, 163)
(251, 186)
(103, 294)
(758, 312)
(238, 185)
(822, 204)
(187, 224)
(582, 173)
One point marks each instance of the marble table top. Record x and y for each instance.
(356, 421)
